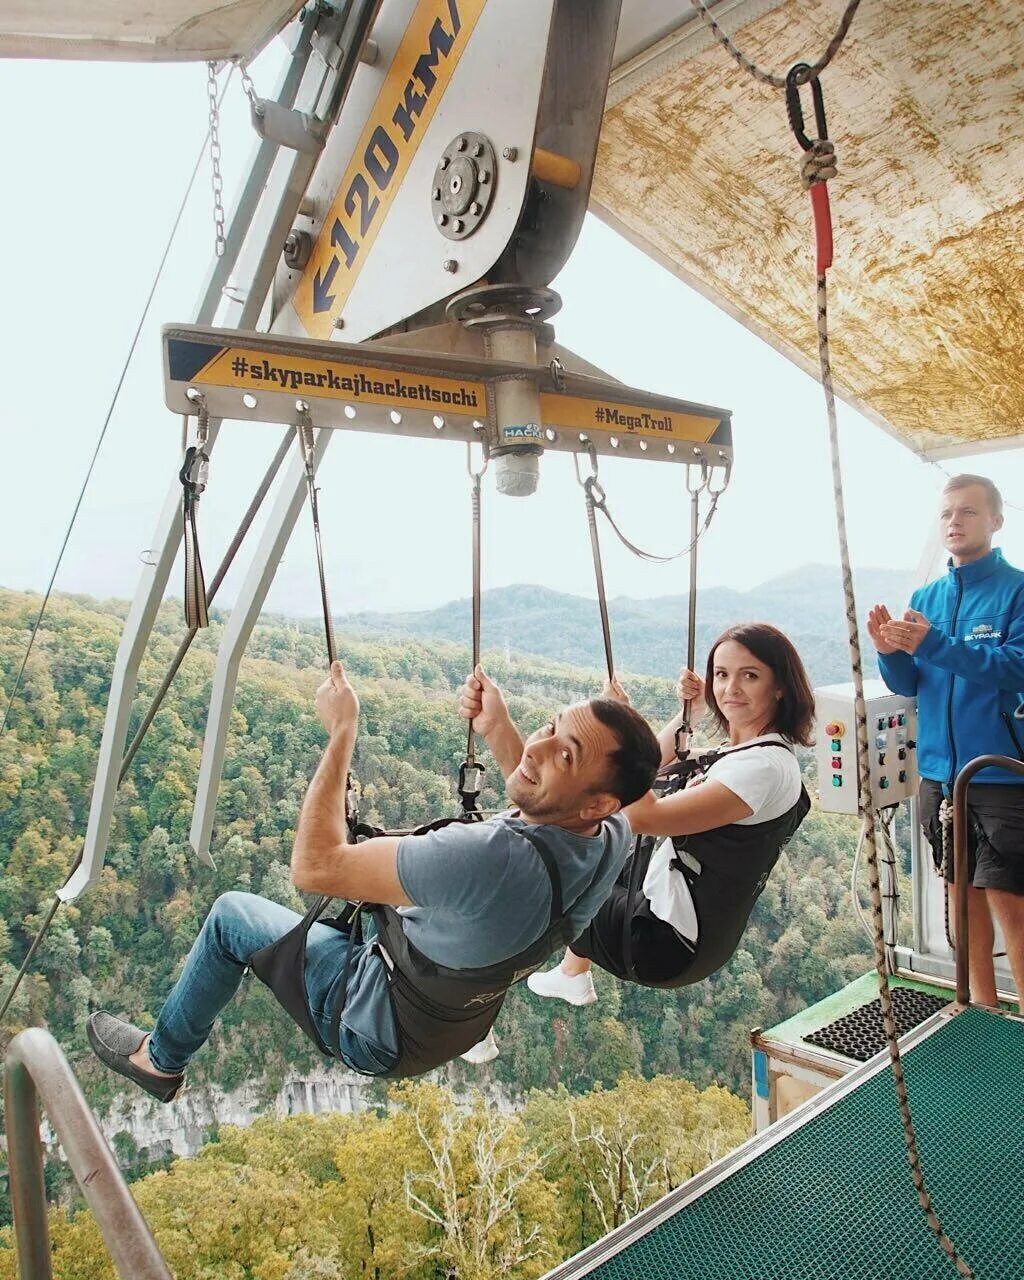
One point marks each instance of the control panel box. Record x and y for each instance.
(892, 742)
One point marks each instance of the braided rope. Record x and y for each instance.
(769, 77)
(867, 813)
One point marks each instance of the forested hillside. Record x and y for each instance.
(120, 945)
(123, 940)
(649, 634)
(424, 1190)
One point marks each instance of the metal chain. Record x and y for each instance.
(247, 84)
(769, 77)
(216, 178)
(599, 498)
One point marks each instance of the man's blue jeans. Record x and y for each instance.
(239, 925)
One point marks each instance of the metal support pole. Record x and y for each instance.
(35, 1068)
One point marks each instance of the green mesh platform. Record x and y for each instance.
(834, 1200)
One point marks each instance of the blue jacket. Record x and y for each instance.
(968, 672)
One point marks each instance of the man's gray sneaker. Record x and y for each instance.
(114, 1041)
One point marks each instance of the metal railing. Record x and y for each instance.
(963, 778)
(36, 1069)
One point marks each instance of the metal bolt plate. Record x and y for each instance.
(463, 183)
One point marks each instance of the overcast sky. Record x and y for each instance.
(97, 159)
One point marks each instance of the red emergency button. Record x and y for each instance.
(835, 729)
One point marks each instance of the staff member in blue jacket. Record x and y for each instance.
(960, 649)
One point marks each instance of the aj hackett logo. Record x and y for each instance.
(426, 59)
(983, 631)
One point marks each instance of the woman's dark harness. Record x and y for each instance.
(725, 870)
(439, 1012)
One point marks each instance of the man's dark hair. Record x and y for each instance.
(633, 765)
(965, 480)
(795, 716)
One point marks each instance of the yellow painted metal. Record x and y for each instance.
(925, 102)
(560, 171)
(425, 62)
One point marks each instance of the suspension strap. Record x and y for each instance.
(194, 474)
(304, 434)
(694, 489)
(471, 771)
(594, 496)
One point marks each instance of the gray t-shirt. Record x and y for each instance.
(481, 896)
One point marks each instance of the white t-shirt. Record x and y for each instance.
(767, 779)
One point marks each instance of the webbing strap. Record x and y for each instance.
(471, 771)
(193, 473)
(589, 485)
(304, 434)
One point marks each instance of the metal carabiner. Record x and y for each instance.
(588, 444)
(702, 467)
(796, 112)
(726, 464)
(304, 430)
(485, 450)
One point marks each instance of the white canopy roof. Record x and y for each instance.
(143, 31)
(925, 103)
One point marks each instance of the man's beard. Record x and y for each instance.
(520, 793)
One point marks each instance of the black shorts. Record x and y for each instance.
(659, 954)
(995, 833)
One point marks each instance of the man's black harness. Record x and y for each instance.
(439, 1012)
(725, 869)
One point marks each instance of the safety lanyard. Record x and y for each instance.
(594, 497)
(470, 771)
(304, 436)
(194, 473)
(304, 433)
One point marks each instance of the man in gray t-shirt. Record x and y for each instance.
(470, 895)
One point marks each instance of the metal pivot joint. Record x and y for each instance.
(512, 319)
(463, 185)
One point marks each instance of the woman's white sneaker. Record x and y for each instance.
(556, 985)
(485, 1050)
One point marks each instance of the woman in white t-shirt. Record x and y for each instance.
(711, 832)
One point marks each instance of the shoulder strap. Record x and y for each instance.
(712, 757)
(551, 867)
(554, 874)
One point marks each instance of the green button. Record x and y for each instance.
(837, 744)
(884, 783)
(837, 779)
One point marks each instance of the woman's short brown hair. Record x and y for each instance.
(795, 716)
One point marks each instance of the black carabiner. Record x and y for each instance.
(796, 112)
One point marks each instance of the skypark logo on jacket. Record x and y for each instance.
(984, 632)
